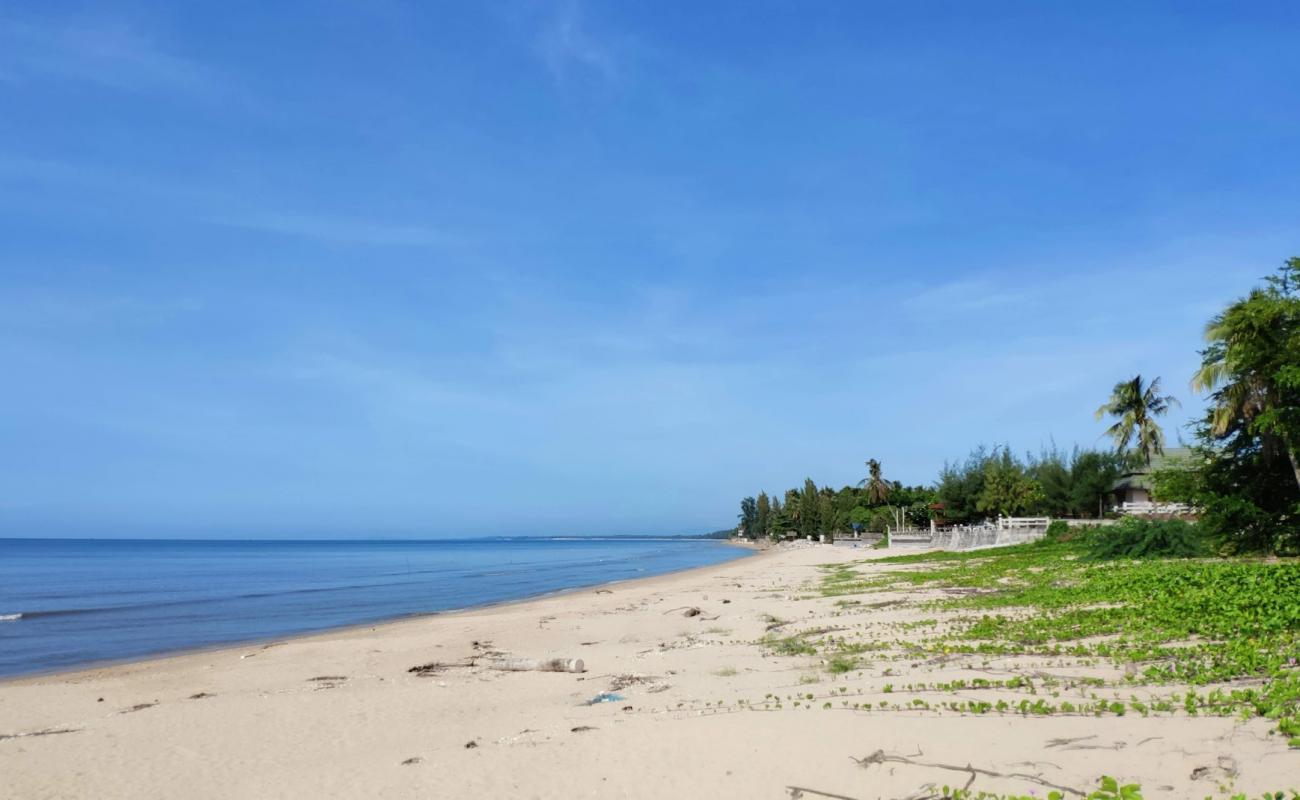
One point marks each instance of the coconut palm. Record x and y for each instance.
(1135, 405)
(1252, 346)
(1241, 395)
(876, 486)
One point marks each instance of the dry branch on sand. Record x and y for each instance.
(881, 757)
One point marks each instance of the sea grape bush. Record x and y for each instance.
(1144, 538)
(1190, 622)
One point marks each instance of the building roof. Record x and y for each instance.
(1140, 476)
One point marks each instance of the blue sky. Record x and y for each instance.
(396, 268)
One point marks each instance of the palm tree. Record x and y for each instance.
(876, 486)
(1135, 405)
(1251, 344)
(1240, 396)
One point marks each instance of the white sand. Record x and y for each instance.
(339, 715)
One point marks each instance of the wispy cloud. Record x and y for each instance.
(111, 54)
(569, 48)
(343, 230)
(969, 295)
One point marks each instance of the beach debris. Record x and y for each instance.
(582, 729)
(424, 670)
(881, 757)
(690, 611)
(412, 760)
(1074, 744)
(484, 648)
(629, 679)
(797, 792)
(538, 665)
(138, 707)
(774, 622)
(201, 695)
(45, 732)
(604, 591)
(261, 649)
(605, 697)
(471, 744)
(328, 681)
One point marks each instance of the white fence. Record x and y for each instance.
(1014, 523)
(1154, 508)
(1005, 531)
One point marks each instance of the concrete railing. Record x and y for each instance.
(970, 537)
(1012, 523)
(1154, 508)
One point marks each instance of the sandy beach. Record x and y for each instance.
(341, 714)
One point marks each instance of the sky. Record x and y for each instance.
(398, 268)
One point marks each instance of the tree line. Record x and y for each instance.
(989, 482)
(1244, 480)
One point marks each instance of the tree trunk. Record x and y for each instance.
(1295, 465)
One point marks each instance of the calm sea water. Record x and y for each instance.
(65, 603)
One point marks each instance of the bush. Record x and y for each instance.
(1144, 538)
(1058, 531)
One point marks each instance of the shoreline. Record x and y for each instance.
(241, 644)
(698, 683)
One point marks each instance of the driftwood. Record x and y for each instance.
(881, 757)
(691, 611)
(797, 792)
(46, 732)
(538, 665)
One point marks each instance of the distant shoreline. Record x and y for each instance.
(237, 644)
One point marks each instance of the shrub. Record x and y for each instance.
(1144, 538)
(838, 665)
(1058, 531)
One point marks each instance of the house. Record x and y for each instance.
(1133, 491)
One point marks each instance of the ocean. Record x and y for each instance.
(70, 602)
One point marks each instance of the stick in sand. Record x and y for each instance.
(538, 665)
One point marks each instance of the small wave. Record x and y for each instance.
(10, 617)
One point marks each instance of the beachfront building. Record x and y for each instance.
(1133, 492)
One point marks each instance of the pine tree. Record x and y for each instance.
(777, 524)
(748, 516)
(809, 518)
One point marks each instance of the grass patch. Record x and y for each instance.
(1172, 621)
(840, 664)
